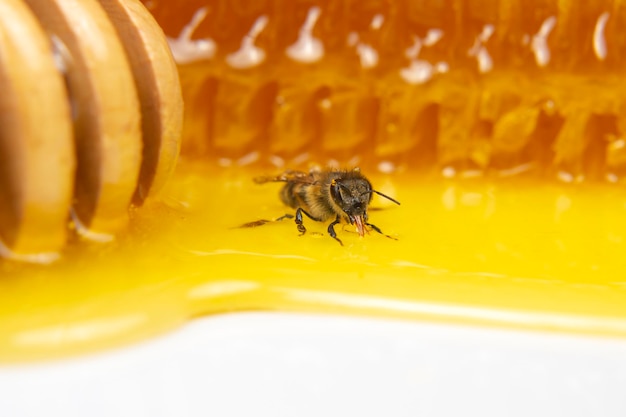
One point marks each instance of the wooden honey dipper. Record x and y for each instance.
(90, 120)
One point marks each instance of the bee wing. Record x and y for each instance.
(288, 176)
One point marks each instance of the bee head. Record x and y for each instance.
(352, 196)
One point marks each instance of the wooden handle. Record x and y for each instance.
(36, 144)
(156, 78)
(122, 98)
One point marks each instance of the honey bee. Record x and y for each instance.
(324, 195)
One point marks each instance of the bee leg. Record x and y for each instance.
(255, 223)
(331, 230)
(379, 231)
(298, 220)
(261, 222)
(286, 216)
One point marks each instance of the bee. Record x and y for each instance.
(325, 195)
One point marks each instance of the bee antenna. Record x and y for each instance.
(382, 195)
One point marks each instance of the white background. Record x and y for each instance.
(271, 364)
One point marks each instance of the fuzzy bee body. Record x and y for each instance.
(324, 195)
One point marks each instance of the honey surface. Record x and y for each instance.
(508, 253)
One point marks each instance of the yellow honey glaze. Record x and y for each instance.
(497, 252)
(507, 99)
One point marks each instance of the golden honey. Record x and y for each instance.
(498, 125)
(509, 253)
